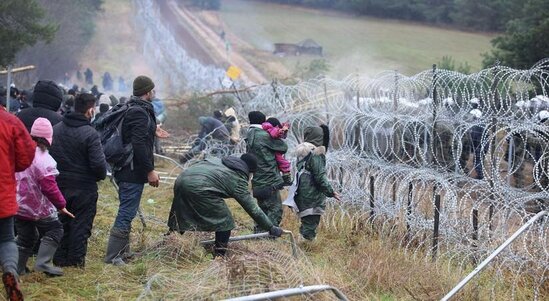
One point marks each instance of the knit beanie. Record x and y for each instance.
(42, 128)
(274, 122)
(250, 160)
(256, 117)
(141, 85)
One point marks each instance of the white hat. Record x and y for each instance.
(448, 101)
(476, 112)
(426, 101)
(542, 115)
(520, 104)
(474, 101)
(541, 98)
(104, 99)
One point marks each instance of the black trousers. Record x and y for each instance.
(47, 227)
(74, 245)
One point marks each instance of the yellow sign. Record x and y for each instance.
(233, 72)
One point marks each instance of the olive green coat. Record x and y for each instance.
(260, 143)
(199, 194)
(314, 186)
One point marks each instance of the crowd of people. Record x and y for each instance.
(55, 152)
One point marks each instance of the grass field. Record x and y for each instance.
(352, 44)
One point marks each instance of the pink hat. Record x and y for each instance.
(42, 128)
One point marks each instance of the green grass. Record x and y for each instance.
(353, 44)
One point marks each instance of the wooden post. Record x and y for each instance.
(372, 213)
(434, 250)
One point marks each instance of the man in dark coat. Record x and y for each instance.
(199, 194)
(46, 100)
(81, 163)
(139, 130)
(211, 128)
(267, 180)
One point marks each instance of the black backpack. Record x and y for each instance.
(117, 154)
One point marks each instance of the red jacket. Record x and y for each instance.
(16, 154)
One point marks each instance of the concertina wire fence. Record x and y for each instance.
(475, 147)
(448, 164)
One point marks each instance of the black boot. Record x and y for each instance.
(221, 243)
(44, 258)
(118, 244)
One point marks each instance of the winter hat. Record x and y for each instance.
(218, 114)
(114, 100)
(47, 95)
(104, 99)
(250, 160)
(274, 121)
(476, 112)
(103, 107)
(256, 117)
(314, 135)
(141, 85)
(41, 128)
(543, 115)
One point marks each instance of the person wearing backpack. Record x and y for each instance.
(138, 129)
(81, 164)
(313, 186)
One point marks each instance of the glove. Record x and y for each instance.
(275, 231)
(287, 177)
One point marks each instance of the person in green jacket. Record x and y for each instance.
(199, 194)
(267, 181)
(314, 186)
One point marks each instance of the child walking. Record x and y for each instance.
(279, 130)
(39, 200)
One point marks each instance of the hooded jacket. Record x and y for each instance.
(199, 194)
(260, 143)
(78, 152)
(213, 127)
(17, 151)
(314, 186)
(138, 128)
(46, 100)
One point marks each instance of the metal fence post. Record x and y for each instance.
(372, 212)
(475, 233)
(409, 210)
(436, 227)
(8, 89)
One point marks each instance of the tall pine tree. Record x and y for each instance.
(21, 26)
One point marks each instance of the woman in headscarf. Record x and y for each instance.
(314, 186)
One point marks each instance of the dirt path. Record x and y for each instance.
(185, 36)
(208, 40)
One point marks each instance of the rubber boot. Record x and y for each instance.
(24, 255)
(44, 258)
(8, 261)
(11, 284)
(117, 246)
(221, 243)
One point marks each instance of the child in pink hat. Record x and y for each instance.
(39, 199)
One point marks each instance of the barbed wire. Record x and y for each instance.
(417, 137)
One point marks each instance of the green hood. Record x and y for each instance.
(314, 135)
